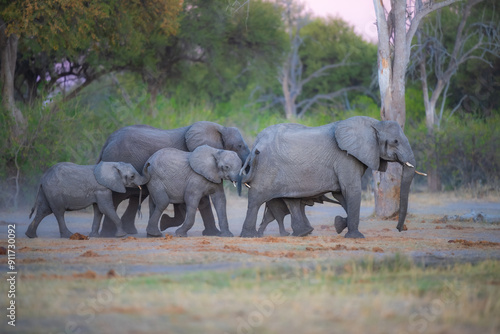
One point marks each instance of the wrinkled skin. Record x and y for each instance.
(278, 208)
(295, 161)
(135, 144)
(67, 187)
(182, 177)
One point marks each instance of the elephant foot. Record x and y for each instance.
(107, 233)
(302, 233)
(211, 232)
(121, 233)
(94, 234)
(249, 234)
(226, 234)
(66, 234)
(286, 234)
(180, 233)
(153, 233)
(340, 224)
(354, 235)
(166, 221)
(31, 234)
(128, 230)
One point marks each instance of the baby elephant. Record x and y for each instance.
(67, 186)
(185, 177)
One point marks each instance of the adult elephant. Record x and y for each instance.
(135, 144)
(295, 161)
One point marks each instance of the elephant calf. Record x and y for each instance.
(67, 186)
(186, 177)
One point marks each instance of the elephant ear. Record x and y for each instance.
(204, 133)
(358, 137)
(203, 161)
(108, 175)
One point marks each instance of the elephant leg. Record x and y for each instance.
(353, 200)
(96, 222)
(188, 221)
(104, 205)
(266, 219)
(340, 222)
(177, 220)
(208, 217)
(275, 209)
(219, 200)
(155, 213)
(248, 230)
(108, 227)
(128, 217)
(300, 224)
(63, 229)
(42, 211)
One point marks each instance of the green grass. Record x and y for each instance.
(379, 296)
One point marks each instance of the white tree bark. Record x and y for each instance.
(396, 28)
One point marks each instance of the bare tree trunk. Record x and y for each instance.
(396, 29)
(8, 53)
(290, 110)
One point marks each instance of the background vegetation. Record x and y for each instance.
(221, 64)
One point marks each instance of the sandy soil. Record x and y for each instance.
(429, 238)
(87, 285)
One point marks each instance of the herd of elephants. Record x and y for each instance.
(290, 166)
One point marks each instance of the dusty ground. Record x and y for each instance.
(429, 239)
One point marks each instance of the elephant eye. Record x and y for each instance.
(395, 141)
(132, 176)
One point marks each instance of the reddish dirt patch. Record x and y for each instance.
(454, 227)
(89, 274)
(3, 251)
(111, 274)
(377, 250)
(129, 238)
(480, 244)
(90, 253)
(78, 236)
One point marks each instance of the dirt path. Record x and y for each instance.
(429, 238)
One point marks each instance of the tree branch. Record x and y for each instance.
(425, 10)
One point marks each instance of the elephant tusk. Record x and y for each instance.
(234, 184)
(420, 173)
(247, 185)
(409, 165)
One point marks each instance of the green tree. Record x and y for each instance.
(81, 38)
(325, 60)
(219, 49)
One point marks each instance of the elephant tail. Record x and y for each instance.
(246, 172)
(36, 201)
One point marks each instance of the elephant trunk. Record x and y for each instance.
(406, 178)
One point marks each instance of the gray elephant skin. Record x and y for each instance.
(278, 208)
(135, 144)
(186, 177)
(294, 161)
(67, 186)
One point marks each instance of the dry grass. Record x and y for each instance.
(357, 297)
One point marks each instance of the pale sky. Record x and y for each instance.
(359, 13)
